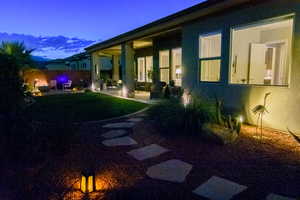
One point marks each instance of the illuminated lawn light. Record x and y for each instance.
(241, 119)
(186, 99)
(124, 91)
(87, 183)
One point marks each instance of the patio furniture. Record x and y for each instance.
(53, 84)
(67, 85)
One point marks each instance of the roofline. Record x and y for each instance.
(163, 24)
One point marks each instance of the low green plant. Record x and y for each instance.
(175, 118)
(227, 120)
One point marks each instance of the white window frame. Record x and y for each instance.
(165, 67)
(210, 58)
(260, 23)
(148, 80)
(146, 66)
(143, 78)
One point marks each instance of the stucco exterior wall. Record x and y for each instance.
(283, 104)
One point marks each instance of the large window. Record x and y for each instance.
(164, 65)
(261, 53)
(210, 57)
(149, 68)
(176, 66)
(145, 67)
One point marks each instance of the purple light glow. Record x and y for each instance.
(62, 78)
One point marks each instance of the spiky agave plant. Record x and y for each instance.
(260, 110)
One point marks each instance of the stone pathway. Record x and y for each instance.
(114, 133)
(217, 188)
(135, 120)
(147, 152)
(278, 197)
(171, 170)
(120, 125)
(122, 141)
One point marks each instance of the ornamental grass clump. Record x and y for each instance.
(173, 117)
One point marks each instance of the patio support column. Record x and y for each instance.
(95, 70)
(156, 90)
(127, 65)
(116, 68)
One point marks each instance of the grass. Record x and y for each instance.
(81, 107)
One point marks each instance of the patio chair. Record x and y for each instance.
(67, 85)
(53, 84)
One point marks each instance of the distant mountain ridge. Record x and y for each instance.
(49, 47)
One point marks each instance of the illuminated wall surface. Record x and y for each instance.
(271, 66)
(260, 44)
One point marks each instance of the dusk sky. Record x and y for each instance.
(88, 19)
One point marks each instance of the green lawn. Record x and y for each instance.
(81, 107)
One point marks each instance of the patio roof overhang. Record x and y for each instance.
(171, 22)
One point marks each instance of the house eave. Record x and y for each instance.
(174, 21)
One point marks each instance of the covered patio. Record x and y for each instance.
(142, 65)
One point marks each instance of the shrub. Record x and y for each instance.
(174, 118)
(168, 114)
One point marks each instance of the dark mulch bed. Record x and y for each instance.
(272, 165)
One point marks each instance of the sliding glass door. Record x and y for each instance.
(170, 62)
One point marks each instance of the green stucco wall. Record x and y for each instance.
(284, 102)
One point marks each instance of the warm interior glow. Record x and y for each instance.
(83, 184)
(90, 184)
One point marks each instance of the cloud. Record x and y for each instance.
(51, 47)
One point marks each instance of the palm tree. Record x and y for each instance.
(261, 110)
(19, 52)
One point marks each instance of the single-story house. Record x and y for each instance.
(57, 64)
(236, 50)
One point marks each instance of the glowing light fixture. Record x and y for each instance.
(93, 87)
(186, 99)
(87, 183)
(124, 91)
(240, 119)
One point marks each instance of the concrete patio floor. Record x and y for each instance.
(140, 96)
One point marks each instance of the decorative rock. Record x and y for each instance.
(114, 133)
(119, 125)
(219, 134)
(123, 141)
(147, 152)
(135, 119)
(172, 170)
(278, 197)
(219, 189)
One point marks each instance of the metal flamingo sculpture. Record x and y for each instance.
(261, 110)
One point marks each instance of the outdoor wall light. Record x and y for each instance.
(87, 183)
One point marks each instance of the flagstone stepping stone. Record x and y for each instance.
(150, 151)
(171, 170)
(278, 197)
(122, 141)
(119, 125)
(135, 119)
(114, 133)
(217, 188)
